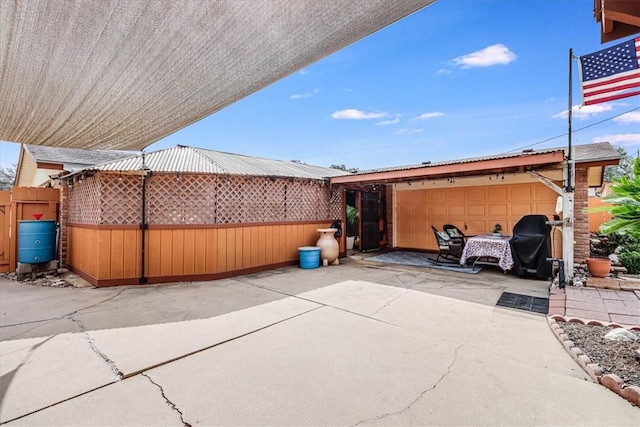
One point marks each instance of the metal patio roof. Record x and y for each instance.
(184, 159)
(600, 151)
(123, 74)
(590, 155)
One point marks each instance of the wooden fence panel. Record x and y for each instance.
(20, 204)
(596, 219)
(108, 256)
(5, 224)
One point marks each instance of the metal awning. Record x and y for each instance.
(124, 74)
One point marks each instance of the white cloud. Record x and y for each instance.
(303, 72)
(581, 113)
(353, 114)
(497, 54)
(431, 115)
(628, 118)
(443, 71)
(622, 140)
(407, 131)
(305, 95)
(389, 122)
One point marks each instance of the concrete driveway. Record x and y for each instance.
(341, 345)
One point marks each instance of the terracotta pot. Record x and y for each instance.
(599, 267)
(329, 248)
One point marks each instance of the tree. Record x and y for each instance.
(625, 168)
(344, 168)
(625, 202)
(7, 177)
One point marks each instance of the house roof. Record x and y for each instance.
(124, 74)
(74, 158)
(185, 159)
(601, 153)
(617, 18)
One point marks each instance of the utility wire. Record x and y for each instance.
(566, 133)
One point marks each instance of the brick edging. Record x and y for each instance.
(610, 381)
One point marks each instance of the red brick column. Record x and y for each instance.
(581, 216)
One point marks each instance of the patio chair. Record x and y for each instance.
(448, 249)
(457, 236)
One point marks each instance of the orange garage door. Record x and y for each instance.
(475, 210)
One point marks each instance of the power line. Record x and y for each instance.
(566, 133)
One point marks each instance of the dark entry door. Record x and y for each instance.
(370, 219)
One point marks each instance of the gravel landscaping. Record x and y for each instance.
(614, 357)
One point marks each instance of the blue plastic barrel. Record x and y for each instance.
(36, 241)
(309, 256)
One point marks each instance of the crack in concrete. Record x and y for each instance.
(169, 402)
(112, 365)
(31, 322)
(406, 287)
(28, 330)
(406, 408)
(73, 313)
(390, 301)
(322, 304)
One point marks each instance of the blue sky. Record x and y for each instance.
(460, 78)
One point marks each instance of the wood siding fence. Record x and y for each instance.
(109, 255)
(596, 219)
(17, 205)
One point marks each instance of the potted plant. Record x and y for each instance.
(497, 230)
(599, 263)
(352, 225)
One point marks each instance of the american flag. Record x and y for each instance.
(611, 74)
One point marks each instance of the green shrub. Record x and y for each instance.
(631, 261)
(352, 221)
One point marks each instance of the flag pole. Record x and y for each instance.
(570, 163)
(567, 192)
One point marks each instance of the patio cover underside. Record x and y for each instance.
(124, 74)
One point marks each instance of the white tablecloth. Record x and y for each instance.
(489, 246)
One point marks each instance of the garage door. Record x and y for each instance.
(475, 210)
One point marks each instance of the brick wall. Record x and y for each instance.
(581, 217)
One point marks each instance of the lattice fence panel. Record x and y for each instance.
(120, 199)
(306, 200)
(336, 204)
(252, 199)
(274, 208)
(181, 199)
(84, 201)
(199, 198)
(229, 192)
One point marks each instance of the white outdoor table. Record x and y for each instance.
(488, 246)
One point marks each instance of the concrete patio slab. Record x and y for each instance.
(139, 348)
(381, 349)
(327, 367)
(134, 402)
(38, 372)
(336, 366)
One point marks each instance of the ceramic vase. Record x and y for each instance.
(329, 248)
(599, 267)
